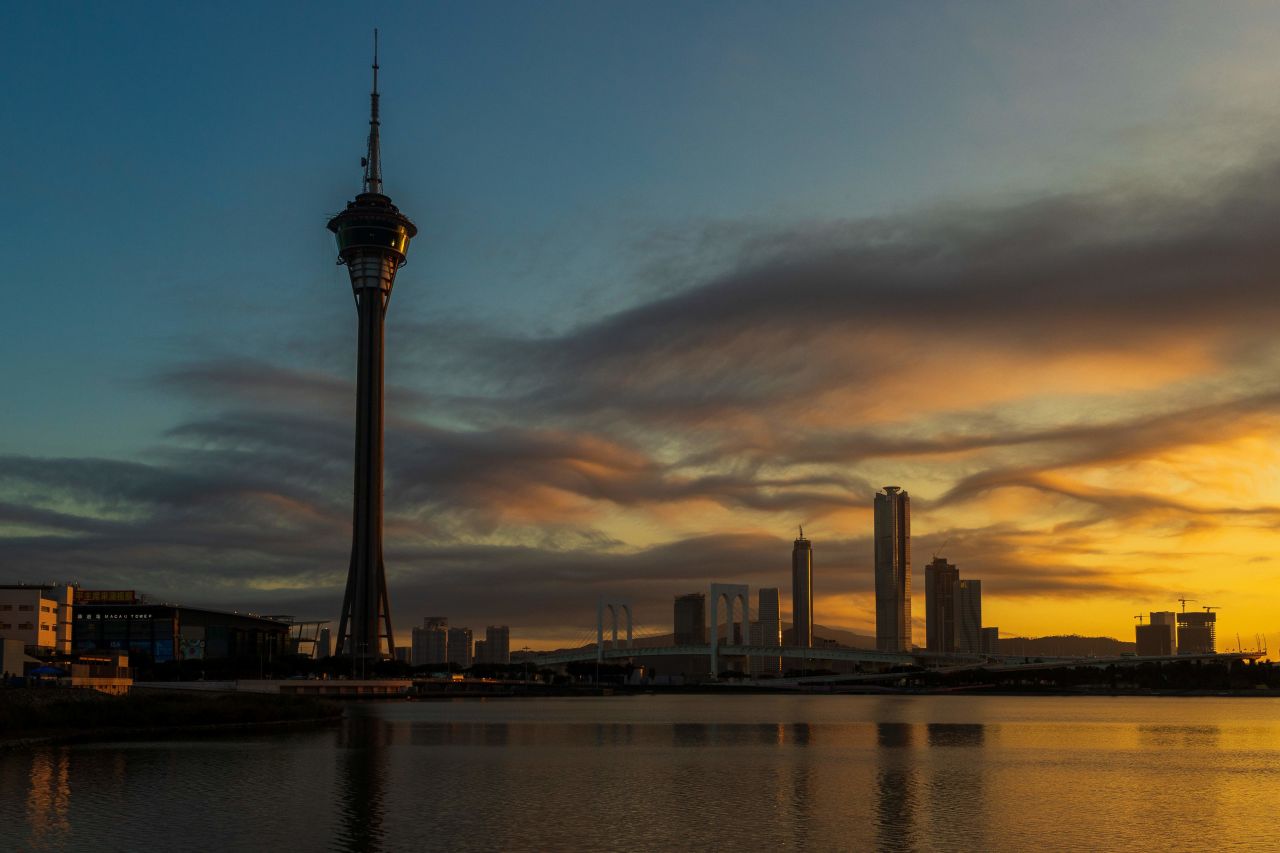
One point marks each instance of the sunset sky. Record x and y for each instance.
(688, 275)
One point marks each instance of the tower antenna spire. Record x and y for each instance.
(373, 160)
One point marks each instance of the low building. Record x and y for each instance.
(166, 632)
(39, 615)
(106, 672)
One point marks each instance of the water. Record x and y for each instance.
(736, 773)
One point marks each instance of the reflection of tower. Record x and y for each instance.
(893, 570)
(373, 236)
(802, 592)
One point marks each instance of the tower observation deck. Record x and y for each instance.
(373, 241)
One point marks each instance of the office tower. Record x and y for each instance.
(1197, 632)
(991, 641)
(941, 582)
(1159, 637)
(691, 619)
(431, 642)
(460, 647)
(482, 652)
(802, 592)
(767, 631)
(893, 570)
(373, 237)
(969, 617)
(497, 643)
(324, 644)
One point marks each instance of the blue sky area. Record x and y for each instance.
(604, 192)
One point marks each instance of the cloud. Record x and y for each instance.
(1059, 382)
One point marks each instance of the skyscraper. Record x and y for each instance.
(1197, 632)
(802, 592)
(373, 237)
(497, 643)
(1160, 637)
(690, 619)
(460, 647)
(431, 642)
(767, 631)
(969, 617)
(893, 570)
(941, 580)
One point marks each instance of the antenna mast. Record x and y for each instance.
(373, 160)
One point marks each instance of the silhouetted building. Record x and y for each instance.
(373, 238)
(767, 631)
(497, 643)
(893, 570)
(431, 642)
(165, 632)
(991, 641)
(802, 591)
(969, 617)
(941, 584)
(37, 615)
(324, 644)
(690, 622)
(1159, 637)
(482, 652)
(460, 647)
(1197, 632)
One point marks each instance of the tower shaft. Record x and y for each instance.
(373, 239)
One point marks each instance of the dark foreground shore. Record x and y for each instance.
(47, 715)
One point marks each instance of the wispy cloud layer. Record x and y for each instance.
(1076, 389)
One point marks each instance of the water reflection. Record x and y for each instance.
(49, 798)
(896, 783)
(1179, 737)
(362, 771)
(956, 734)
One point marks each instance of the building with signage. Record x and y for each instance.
(166, 632)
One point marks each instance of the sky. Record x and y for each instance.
(688, 275)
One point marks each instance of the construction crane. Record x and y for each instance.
(1184, 603)
(1209, 608)
(1140, 617)
(938, 550)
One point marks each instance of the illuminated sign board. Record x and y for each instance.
(105, 596)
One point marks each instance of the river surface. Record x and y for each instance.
(742, 773)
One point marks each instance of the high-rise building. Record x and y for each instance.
(802, 592)
(460, 647)
(1159, 637)
(691, 619)
(991, 641)
(497, 643)
(893, 570)
(969, 617)
(324, 644)
(373, 238)
(767, 631)
(431, 642)
(482, 652)
(941, 583)
(1197, 632)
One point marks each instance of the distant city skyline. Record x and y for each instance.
(694, 278)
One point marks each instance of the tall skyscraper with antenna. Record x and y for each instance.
(373, 239)
(802, 591)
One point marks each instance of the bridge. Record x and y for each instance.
(613, 649)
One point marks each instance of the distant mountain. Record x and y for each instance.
(1065, 646)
